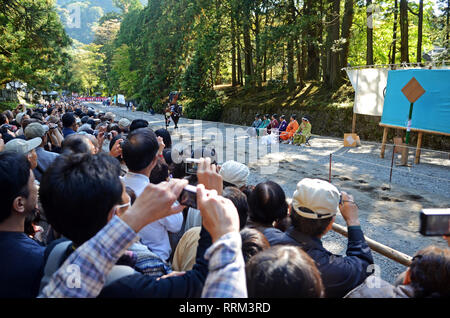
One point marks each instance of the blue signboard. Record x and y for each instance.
(431, 111)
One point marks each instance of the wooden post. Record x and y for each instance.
(387, 251)
(419, 146)
(331, 158)
(405, 154)
(354, 123)
(392, 164)
(383, 144)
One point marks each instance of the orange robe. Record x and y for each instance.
(290, 130)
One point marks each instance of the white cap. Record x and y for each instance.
(320, 197)
(22, 146)
(235, 173)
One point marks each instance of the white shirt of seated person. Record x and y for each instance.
(155, 235)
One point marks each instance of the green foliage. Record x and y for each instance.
(7, 105)
(32, 43)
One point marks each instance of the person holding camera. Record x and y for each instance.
(313, 210)
(141, 151)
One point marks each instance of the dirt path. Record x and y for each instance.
(389, 213)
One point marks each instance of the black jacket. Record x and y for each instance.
(339, 274)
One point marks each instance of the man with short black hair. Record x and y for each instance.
(139, 151)
(314, 206)
(69, 124)
(138, 123)
(22, 258)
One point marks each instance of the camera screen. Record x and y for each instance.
(435, 224)
(191, 167)
(188, 197)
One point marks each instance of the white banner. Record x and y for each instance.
(121, 99)
(369, 85)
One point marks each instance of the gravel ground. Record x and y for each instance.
(389, 212)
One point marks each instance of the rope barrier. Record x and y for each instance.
(395, 168)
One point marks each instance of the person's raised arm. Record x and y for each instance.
(226, 277)
(91, 262)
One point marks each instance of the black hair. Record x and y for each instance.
(77, 193)
(253, 242)
(85, 119)
(113, 141)
(38, 116)
(282, 117)
(164, 133)
(430, 273)
(14, 177)
(115, 127)
(294, 116)
(91, 122)
(275, 116)
(3, 119)
(239, 200)
(310, 227)
(68, 119)
(160, 172)
(267, 203)
(139, 149)
(50, 110)
(283, 272)
(76, 143)
(138, 123)
(132, 195)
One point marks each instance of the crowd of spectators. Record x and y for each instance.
(78, 188)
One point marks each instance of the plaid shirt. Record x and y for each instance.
(226, 277)
(84, 273)
(95, 258)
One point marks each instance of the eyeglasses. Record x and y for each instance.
(126, 205)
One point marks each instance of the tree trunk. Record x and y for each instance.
(218, 76)
(300, 64)
(448, 23)
(335, 65)
(419, 33)
(239, 61)
(233, 50)
(313, 69)
(290, 47)
(257, 50)
(248, 56)
(404, 49)
(369, 52)
(346, 27)
(394, 35)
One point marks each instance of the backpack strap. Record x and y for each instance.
(53, 262)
